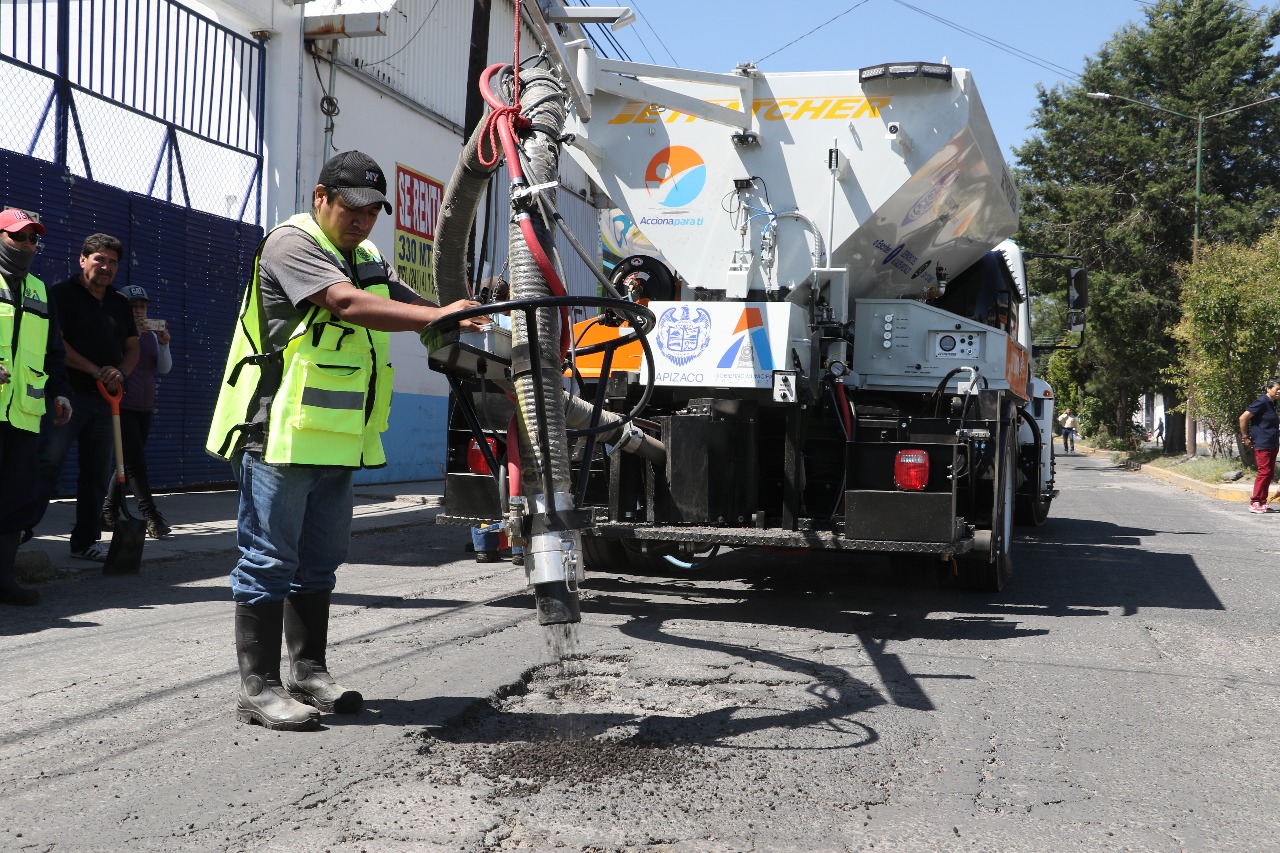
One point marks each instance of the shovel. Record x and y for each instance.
(128, 534)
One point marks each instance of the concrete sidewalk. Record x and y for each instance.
(1239, 491)
(205, 523)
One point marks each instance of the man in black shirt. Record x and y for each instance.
(101, 340)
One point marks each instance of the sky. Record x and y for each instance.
(716, 35)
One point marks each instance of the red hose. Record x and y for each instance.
(844, 411)
(549, 273)
(503, 121)
(515, 488)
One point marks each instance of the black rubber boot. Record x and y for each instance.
(306, 633)
(157, 527)
(11, 592)
(262, 698)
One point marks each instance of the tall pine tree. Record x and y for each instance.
(1115, 181)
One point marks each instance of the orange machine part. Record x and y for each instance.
(627, 357)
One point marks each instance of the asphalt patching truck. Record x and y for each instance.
(834, 352)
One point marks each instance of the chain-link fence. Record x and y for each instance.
(144, 95)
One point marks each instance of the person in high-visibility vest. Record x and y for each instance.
(304, 399)
(33, 383)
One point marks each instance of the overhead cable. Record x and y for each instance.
(998, 45)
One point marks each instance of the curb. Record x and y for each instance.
(1222, 493)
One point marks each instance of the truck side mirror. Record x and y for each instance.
(1077, 298)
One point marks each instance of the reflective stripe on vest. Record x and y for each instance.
(22, 399)
(334, 395)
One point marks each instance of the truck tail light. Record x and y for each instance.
(476, 463)
(911, 470)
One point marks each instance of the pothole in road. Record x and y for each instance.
(566, 722)
(591, 722)
(616, 751)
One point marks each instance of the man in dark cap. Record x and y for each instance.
(32, 377)
(304, 400)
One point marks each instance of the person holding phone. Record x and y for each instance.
(137, 406)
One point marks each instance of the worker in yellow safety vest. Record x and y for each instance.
(304, 399)
(33, 382)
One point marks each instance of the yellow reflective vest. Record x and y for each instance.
(334, 396)
(22, 397)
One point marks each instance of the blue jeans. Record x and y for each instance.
(293, 528)
(482, 541)
(90, 426)
(1068, 439)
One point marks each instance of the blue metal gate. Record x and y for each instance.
(143, 119)
(194, 267)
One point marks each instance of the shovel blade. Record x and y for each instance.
(124, 557)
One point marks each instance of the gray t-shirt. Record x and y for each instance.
(291, 269)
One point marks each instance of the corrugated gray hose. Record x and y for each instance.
(459, 208)
(541, 148)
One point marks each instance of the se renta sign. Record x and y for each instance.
(418, 198)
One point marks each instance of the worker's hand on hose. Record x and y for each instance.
(473, 324)
(61, 410)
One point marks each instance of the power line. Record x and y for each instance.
(607, 33)
(812, 31)
(646, 48)
(635, 5)
(998, 45)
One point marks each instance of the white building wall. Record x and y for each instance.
(402, 100)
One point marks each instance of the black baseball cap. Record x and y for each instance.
(357, 178)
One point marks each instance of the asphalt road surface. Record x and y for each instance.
(1120, 695)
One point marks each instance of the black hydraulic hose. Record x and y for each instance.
(458, 210)
(582, 253)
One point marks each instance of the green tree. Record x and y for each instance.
(1230, 330)
(1115, 181)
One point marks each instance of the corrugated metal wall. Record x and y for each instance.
(427, 46)
(584, 221)
(194, 267)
